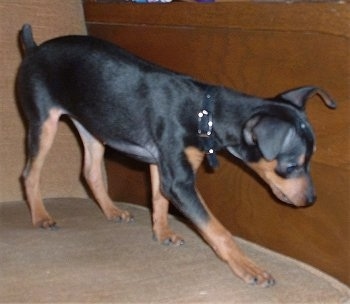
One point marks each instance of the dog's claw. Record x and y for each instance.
(172, 239)
(129, 218)
(121, 218)
(181, 242)
(118, 219)
(54, 227)
(177, 242)
(271, 282)
(263, 283)
(167, 242)
(46, 224)
(254, 281)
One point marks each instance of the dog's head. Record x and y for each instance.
(277, 143)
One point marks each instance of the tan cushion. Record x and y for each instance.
(49, 19)
(91, 260)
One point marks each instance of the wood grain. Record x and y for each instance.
(323, 18)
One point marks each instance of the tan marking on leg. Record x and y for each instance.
(194, 156)
(223, 243)
(161, 229)
(93, 160)
(289, 190)
(32, 172)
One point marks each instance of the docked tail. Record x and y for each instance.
(26, 39)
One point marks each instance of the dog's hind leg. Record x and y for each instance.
(161, 230)
(40, 139)
(93, 160)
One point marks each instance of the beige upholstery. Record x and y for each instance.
(49, 19)
(90, 260)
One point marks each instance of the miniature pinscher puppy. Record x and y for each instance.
(168, 120)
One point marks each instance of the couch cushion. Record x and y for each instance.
(89, 259)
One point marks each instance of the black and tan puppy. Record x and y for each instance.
(168, 120)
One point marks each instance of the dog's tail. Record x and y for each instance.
(26, 39)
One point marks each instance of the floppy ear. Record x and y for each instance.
(299, 96)
(268, 133)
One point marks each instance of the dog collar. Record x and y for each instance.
(205, 127)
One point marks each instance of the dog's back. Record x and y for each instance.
(73, 73)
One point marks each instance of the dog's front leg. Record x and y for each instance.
(186, 197)
(161, 230)
(223, 243)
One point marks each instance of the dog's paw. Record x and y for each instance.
(251, 274)
(168, 237)
(45, 223)
(117, 215)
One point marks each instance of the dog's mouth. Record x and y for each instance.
(280, 195)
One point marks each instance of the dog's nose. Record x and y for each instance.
(311, 199)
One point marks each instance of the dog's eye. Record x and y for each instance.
(291, 168)
(287, 170)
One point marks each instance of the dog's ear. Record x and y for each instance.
(268, 133)
(299, 96)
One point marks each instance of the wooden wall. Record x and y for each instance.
(262, 49)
